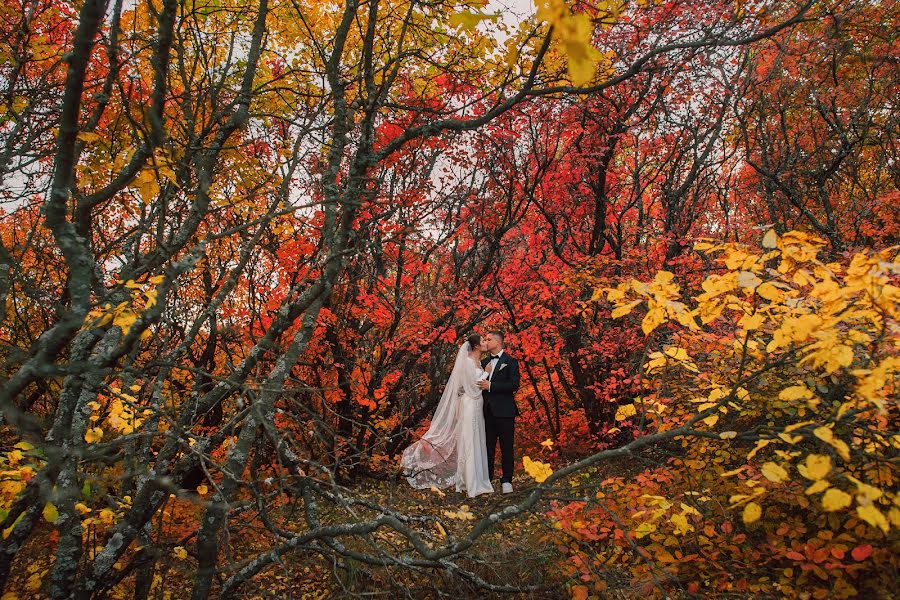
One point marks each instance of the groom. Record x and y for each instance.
(500, 410)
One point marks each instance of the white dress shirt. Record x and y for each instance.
(495, 359)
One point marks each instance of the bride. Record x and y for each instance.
(453, 450)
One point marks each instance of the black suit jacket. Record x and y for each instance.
(500, 401)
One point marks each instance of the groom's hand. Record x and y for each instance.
(484, 384)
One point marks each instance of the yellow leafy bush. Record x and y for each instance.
(778, 372)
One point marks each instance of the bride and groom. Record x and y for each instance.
(476, 409)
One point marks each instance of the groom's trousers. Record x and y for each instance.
(502, 428)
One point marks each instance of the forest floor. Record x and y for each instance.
(515, 554)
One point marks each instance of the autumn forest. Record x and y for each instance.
(241, 243)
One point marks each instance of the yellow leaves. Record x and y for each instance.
(107, 516)
(835, 499)
(548, 443)
(537, 470)
(874, 517)
(653, 319)
(759, 446)
(681, 524)
(13, 457)
(88, 136)
(442, 533)
(826, 435)
(874, 385)
(82, 508)
(790, 439)
(674, 354)
(830, 357)
(469, 20)
(9, 530)
(123, 415)
(621, 311)
(735, 258)
(125, 314)
(124, 318)
(817, 487)
(795, 392)
(202, 490)
(769, 291)
(644, 529)
(147, 180)
(868, 493)
(717, 285)
(50, 513)
(794, 329)
(615, 295)
(661, 295)
(93, 435)
(751, 322)
(18, 104)
(574, 34)
(625, 411)
(463, 514)
(732, 473)
(752, 513)
(437, 491)
(711, 420)
(147, 185)
(179, 552)
(774, 472)
(817, 467)
(830, 334)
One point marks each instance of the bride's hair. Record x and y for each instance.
(474, 341)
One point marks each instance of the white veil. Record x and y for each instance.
(431, 461)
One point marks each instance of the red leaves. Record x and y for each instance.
(861, 552)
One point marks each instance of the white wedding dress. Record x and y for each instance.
(453, 451)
